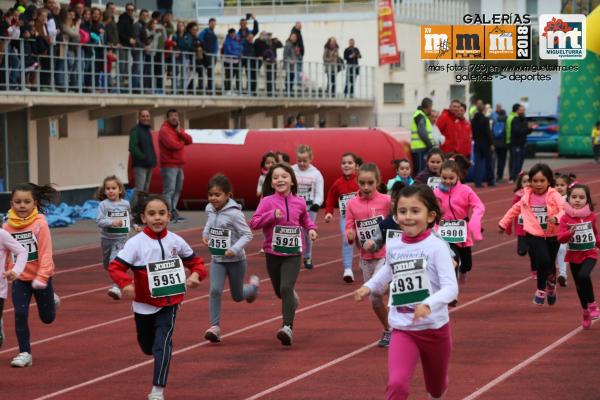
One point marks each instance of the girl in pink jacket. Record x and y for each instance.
(363, 215)
(578, 231)
(282, 215)
(541, 207)
(458, 201)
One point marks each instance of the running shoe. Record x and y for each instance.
(539, 297)
(285, 335)
(586, 321)
(254, 281)
(156, 396)
(114, 292)
(385, 339)
(562, 281)
(22, 360)
(213, 334)
(348, 275)
(308, 263)
(593, 309)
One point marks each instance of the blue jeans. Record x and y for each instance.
(307, 241)
(517, 156)
(142, 178)
(21, 297)
(172, 186)
(347, 249)
(484, 166)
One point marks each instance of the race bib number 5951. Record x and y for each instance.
(166, 278)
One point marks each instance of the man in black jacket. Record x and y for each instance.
(127, 40)
(484, 146)
(519, 128)
(351, 56)
(297, 29)
(141, 148)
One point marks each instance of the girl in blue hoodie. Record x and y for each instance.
(226, 234)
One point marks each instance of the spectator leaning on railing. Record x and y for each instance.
(232, 50)
(250, 64)
(351, 55)
(297, 29)
(211, 46)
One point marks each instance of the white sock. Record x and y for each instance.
(158, 389)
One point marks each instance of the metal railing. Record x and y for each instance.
(84, 68)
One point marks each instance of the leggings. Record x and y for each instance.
(21, 297)
(307, 242)
(433, 346)
(544, 251)
(523, 249)
(465, 257)
(283, 271)
(583, 282)
(235, 271)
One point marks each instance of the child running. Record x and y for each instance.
(268, 160)
(540, 207)
(462, 213)
(27, 224)
(226, 233)
(310, 188)
(8, 245)
(431, 175)
(403, 173)
(363, 215)
(282, 215)
(421, 280)
(578, 230)
(114, 220)
(157, 258)
(522, 247)
(563, 181)
(340, 193)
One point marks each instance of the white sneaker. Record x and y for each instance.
(285, 335)
(156, 396)
(114, 292)
(254, 281)
(348, 275)
(22, 360)
(213, 334)
(56, 300)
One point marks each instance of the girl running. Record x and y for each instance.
(8, 245)
(268, 160)
(344, 189)
(310, 188)
(403, 173)
(431, 175)
(578, 230)
(363, 215)
(114, 220)
(540, 207)
(226, 233)
(157, 258)
(282, 215)
(462, 213)
(423, 282)
(27, 224)
(563, 181)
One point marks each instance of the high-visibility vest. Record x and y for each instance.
(415, 140)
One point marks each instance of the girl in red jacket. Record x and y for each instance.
(578, 230)
(157, 258)
(344, 189)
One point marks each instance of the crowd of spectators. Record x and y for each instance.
(77, 47)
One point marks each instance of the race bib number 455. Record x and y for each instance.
(410, 283)
(287, 239)
(29, 242)
(583, 238)
(166, 278)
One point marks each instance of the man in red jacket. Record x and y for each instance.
(447, 123)
(172, 139)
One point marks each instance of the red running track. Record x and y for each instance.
(504, 347)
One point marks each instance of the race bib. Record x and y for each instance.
(453, 231)
(219, 240)
(119, 216)
(433, 182)
(29, 242)
(410, 283)
(520, 220)
(392, 234)
(583, 238)
(287, 239)
(166, 278)
(343, 202)
(306, 193)
(368, 229)
(541, 214)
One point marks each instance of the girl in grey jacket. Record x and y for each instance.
(226, 234)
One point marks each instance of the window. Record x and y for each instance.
(400, 66)
(531, 7)
(393, 93)
(111, 126)
(14, 155)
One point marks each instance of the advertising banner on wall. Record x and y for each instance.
(386, 31)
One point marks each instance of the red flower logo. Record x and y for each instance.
(556, 25)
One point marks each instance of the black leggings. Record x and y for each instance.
(523, 249)
(465, 257)
(583, 281)
(544, 251)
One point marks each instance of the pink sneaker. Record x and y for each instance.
(586, 322)
(593, 309)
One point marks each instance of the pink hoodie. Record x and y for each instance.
(360, 208)
(456, 204)
(294, 214)
(554, 207)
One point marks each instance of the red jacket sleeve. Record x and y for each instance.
(169, 139)
(564, 231)
(117, 269)
(187, 139)
(332, 197)
(196, 264)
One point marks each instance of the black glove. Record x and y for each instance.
(314, 208)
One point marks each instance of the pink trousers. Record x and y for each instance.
(433, 346)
